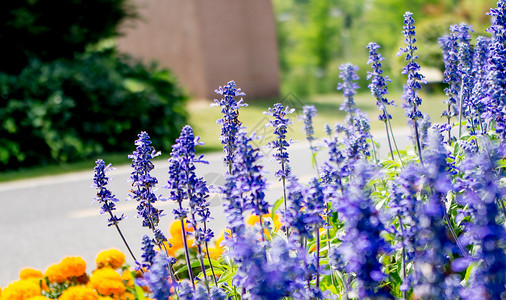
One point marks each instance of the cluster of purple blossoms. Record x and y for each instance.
(378, 85)
(230, 122)
(494, 100)
(143, 183)
(308, 113)
(362, 243)
(157, 279)
(104, 195)
(483, 194)
(412, 69)
(480, 64)
(449, 45)
(349, 86)
(280, 123)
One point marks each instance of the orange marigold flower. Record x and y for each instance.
(175, 228)
(38, 298)
(107, 282)
(78, 292)
(30, 273)
(127, 296)
(110, 258)
(55, 274)
(21, 290)
(127, 278)
(73, 266)
(254, 219)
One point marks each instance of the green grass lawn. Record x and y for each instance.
(203, 119)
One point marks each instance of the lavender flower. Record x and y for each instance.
(357, 135)
(349, 87)
(104, 195)
(294, 217)
(494, 99)
(279, 277)
(433, 249)
(107, 199)
(378, 85)
(280, 124)
(482, 191)
(465, 67)
(449, 45)
(157, 279)
(186, 185)
(148, 253)
(309, 112)
(248, 174)
(230, 121)
(143, 183)
(480, 65)
(362, 243)
(413, 84)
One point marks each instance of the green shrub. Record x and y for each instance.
(49, 30)
(68, 110)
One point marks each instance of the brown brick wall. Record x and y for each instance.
(206, 43)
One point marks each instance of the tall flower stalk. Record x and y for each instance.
(185, 185)
(378, 87)
(107, 199)
(494, 99)
(414, 78)
(280, 123)
(230, 122)
(308, 113)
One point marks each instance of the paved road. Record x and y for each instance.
(46, 219)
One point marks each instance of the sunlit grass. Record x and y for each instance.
(203, 118)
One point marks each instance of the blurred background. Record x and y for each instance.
(79, 79)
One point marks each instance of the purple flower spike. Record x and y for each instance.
(349, 86)
(378, 85)
(143, 183)
(104, 195)
(230, 121)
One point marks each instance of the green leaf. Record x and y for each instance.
(276, 206)
(139, 293)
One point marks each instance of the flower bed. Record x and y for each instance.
(422, 224)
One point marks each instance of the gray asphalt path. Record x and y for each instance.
(45, 219)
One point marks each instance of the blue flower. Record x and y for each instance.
(158, 278)
(278, 277)
(362, 242)
(412, 69)
(230, 121)
(249, 176)
(280, 123)
(378, 85)
(143, 183)
(349, 86)
(496, 76)
(148, 253)
(480, 69)
(104, 195)
(449, 45)
(482, 191)
(308, 113)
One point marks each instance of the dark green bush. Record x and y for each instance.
(70, 109)
(53, 29)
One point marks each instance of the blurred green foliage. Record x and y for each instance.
(67, 95)
(55, 29)
(316, 36)
(70, 109)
